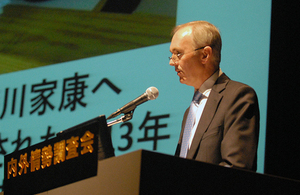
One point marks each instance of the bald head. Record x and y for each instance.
(203, 33)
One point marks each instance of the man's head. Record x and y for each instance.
(196, 52)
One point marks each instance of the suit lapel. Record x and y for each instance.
(208, 113)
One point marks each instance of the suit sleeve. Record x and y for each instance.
(241, 129)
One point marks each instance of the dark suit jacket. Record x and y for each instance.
(227, 133)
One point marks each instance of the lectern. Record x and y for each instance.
(144, 172)
(69, 157)
(74, 168)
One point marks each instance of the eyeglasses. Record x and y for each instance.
(178, 56)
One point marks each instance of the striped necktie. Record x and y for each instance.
(190, 121)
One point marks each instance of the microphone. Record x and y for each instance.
(150, 94)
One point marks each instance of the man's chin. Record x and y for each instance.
(183, 81)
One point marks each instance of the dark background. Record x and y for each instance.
(282, 140)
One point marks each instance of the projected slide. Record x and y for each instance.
(39, 33)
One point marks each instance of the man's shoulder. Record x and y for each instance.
(233, 83)
(230, 87)
(238, 89)
(225, 83)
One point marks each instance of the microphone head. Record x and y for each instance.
(152, 93)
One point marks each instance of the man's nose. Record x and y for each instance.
(171, 62)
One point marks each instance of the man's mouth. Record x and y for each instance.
(178, 72)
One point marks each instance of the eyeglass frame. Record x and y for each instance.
(179, 55)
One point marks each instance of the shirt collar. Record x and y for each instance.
(208, 84)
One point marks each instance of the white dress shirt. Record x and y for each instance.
(205, 89)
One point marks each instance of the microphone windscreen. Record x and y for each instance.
(152, 93)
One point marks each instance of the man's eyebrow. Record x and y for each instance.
(174, 50)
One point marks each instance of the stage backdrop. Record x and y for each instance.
(64, 63)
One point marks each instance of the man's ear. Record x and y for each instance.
(206, 54)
